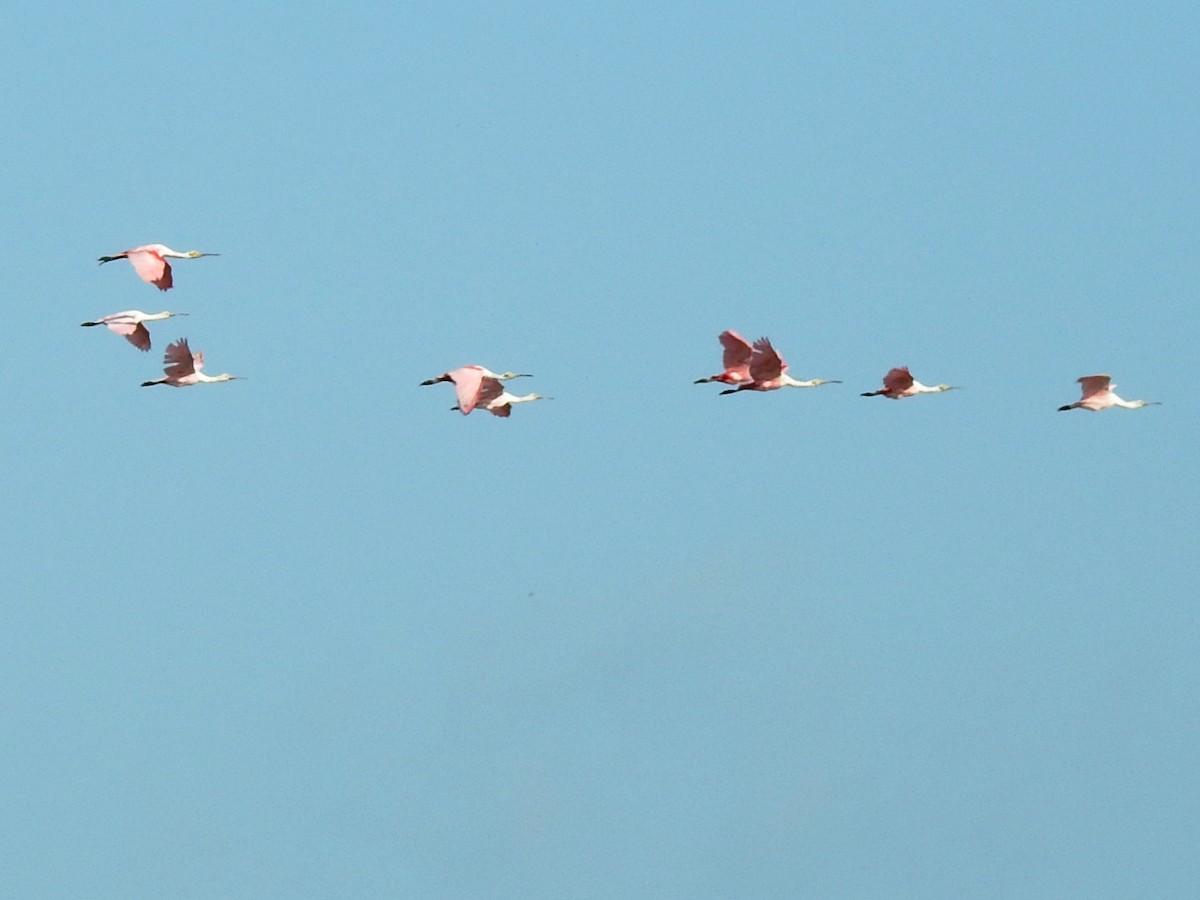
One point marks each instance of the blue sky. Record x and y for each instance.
(312, 635)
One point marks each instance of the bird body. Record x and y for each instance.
(1099, 393)
(768, 372)
(130, 325)
(150, 262)
(183, 367)
(735, 359)
(469, 381)
(898, 383)
(495, 399)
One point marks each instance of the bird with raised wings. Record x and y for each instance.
(768, 372)
(1100, 393)
(735, 359)
(183, 367)
(898, 383)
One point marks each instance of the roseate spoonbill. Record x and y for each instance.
(129, 324)
(899, 383)
(492, 396)
(150, 262)
(768, 372)
(1098, 394)
(735, 359)
(482, 370)
(182, 367)
(468, 381)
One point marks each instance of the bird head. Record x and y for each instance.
(193, 254)
(948, 387)
(225, 376)
(505, 376)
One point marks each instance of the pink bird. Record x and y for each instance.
(495, 399)
(150, 262)
(736, 360)
(468, 383)
(1098, 394)
(768, 372)
(182, 367)
(899, 383)
(130, 324)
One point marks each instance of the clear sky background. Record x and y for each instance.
(313, 635)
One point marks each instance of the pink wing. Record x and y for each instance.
(897, 380)
(490, 389)
(151, 268)
(467, 382)
(766, 364)
(135, 334)
(1095, 384)
(737, 350)
(178, 360)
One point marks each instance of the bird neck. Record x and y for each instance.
(788, 381)
(1130, 404)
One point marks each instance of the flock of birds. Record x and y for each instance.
(181, 365)
(759, 367)
(746, 366)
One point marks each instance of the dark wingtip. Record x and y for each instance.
(1064, 408)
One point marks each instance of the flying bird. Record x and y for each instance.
(899, 383)
(735, 359)
(768, 372)
(130, 325)
(492, 396)
(468, 383)
(183, 367)
(150, 262)
(1098, 394)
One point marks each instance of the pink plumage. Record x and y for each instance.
(1098, 392)
(130, 324)
(735, 358)
(899, 383)
(150, 262)
(768, 371)
(151, 267)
